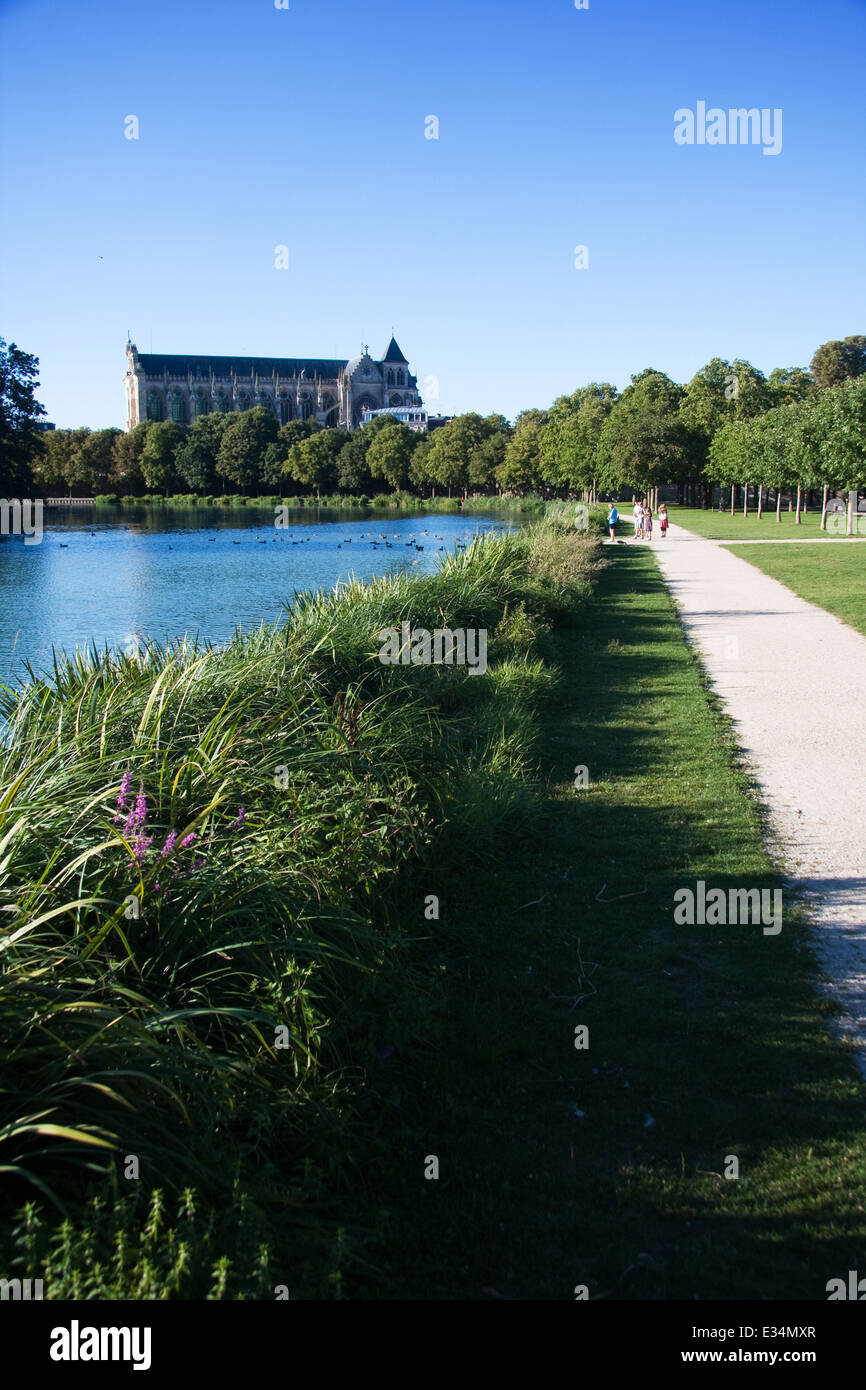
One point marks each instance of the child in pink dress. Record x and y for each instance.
(663, 520)
(648, 522)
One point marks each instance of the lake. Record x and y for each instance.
(115, 576)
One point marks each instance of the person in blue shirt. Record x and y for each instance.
(612, 519)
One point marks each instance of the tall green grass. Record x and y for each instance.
(203, 992)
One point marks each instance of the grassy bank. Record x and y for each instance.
(834, 579)
(207, 952)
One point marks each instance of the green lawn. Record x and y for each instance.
(721, 526)
(835, 579)
(561, 1167)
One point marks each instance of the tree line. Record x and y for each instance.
(729, 425)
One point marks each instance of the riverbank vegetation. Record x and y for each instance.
(215, 930)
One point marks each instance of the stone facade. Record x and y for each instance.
(162, 386)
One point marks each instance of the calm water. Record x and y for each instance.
(135, 574)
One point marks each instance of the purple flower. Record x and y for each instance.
(242, 816)
(138, 815)
(198, 863)
(123, 795)
(170, 842)
(188, 840)
(140, 845)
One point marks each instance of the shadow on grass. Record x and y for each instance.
(605, 1166)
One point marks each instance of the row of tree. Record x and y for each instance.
(730, 424)
(812, 443)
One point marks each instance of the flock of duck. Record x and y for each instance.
(378, 539)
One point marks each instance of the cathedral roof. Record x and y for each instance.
(393, 353)
(179, 364)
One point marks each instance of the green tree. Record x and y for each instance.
(196, 460)
(126, 474)
(644, 440)
(157, 457)
(454, 446)
(842, 432)
(243, 448)
(839, 360)
(723, 391)
(97, 459)
(57, 467)
(488, 458)
(789, 384)
(390, 454)
(20, 440)
(420, 476)
(313, 461)
(353, 470)
(569, 447)
(273, 466)
(520, 470)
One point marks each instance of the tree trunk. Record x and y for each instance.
(779, 505)
(799, 502)
(824, 508)
(852, 507)
(760, 500)
(746, 500)
(733, 497)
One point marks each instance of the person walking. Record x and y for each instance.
(638, 519)
(612, 519)
(648, 521)
(663, 520)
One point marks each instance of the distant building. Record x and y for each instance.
(45, 425)
(162, 386)
(414, 416)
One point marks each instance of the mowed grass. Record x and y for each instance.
(721, 526)
(605, 1167)
(834, 579)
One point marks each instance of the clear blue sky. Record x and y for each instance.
(305, 127)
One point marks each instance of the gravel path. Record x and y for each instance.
(793, 679)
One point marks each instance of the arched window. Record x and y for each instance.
(400, 377)
(245, 401)
(285, 410)
(390, 376)
(178, 410)
(202, 404)
(307, 407)
(224, 403)
(155, 409)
